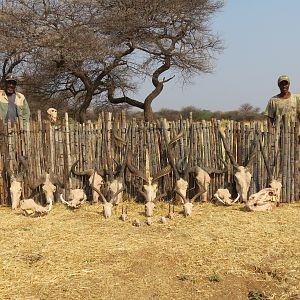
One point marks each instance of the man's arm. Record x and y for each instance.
(26, 112)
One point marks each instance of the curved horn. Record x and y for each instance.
(217, 196)
(266, 161)
(56, 180)
(252, 152)
(63, 200)
(237, 198)
(170, 154)
(114, 196)
(159, 196)
(119, 139)
(99, 193)
(166, 170)
(87, 172)
(172, 161)
(36, 183)
(181, 196)
(197, 195)
(133, 169)
(140, 189)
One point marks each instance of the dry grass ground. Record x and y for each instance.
(218, 253)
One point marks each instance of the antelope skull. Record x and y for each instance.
(52, 114)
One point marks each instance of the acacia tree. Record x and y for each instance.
(14, 50)
(81, 49)
(72, 56)
(172, 36)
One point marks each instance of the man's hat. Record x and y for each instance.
(283, 78)
(10, 77)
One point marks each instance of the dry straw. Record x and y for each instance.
(217, 253)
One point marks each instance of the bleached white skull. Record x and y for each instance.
(264, 200)
(52, 114)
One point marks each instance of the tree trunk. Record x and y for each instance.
(148, 113)
(81, 117)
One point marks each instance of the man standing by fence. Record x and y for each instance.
(285, 104)
(284, 107)
(13, 104)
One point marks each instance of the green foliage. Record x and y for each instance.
(215, 277)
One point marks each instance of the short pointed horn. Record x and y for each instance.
(237, 198)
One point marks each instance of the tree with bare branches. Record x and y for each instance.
(172, 37)
(83, 51)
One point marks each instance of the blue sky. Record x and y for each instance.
(262, 41)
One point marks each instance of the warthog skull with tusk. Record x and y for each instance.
(223, 197)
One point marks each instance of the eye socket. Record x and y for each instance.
(255, 204)
(271, 194)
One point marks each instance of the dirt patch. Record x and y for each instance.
(217, 253)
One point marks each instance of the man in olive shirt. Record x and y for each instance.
(284, 104)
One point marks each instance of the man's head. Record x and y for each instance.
(10, 84)
(284, 84)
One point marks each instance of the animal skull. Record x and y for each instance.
(202, 179)
(223, 197)
(48, 187)
(264, 200)
(187, 208)
(15, 192)
(115, 186)
(242, 179)
(52, 114)
(97, 181)
(30, 208)
(107, 209)
(149, 207)
(150, 191)
(76, 198)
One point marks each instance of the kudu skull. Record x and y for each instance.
(95, 177)
(149, 188)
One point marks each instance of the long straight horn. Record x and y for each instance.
(228, 152)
